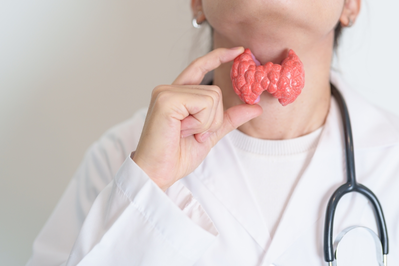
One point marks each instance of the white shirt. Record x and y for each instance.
(272, 169)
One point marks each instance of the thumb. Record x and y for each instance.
(235, 117)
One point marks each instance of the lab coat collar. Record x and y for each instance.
(372, 126)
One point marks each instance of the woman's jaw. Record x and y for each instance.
(269, 27)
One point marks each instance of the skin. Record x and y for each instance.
(185, 120)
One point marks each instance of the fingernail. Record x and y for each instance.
(205, 136)
(237, 48)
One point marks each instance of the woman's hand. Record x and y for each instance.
(185, 120)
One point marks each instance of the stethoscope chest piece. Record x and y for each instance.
(358, 245)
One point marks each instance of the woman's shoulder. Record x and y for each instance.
(373, 126)
(104, 158)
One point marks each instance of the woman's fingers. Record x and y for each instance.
(198, 119)
(202, 112)
(194, 109)
(196, 71)
(190, 124)
(193, 75)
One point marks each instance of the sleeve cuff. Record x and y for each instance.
(179, 218)
(184, 199)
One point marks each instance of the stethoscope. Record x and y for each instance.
(352, 186)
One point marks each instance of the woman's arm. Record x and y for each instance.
(127, 218)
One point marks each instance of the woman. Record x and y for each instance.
(255, 195)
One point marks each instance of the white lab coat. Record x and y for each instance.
(113, 214)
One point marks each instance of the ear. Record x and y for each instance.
(349, 12)
(198, 11)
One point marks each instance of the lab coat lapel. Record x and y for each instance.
(372, 127)
(242, 204)
(323, 175)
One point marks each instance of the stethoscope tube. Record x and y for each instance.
(350, 186)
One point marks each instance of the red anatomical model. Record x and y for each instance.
(250, 79)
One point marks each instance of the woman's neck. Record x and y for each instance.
(299, 118)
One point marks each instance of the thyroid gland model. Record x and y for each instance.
(285, 82)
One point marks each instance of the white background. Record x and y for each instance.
(69, 70)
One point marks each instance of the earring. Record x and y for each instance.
(195, 22)
(350, 23)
